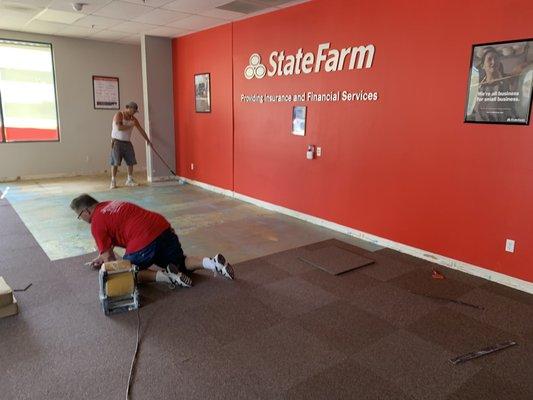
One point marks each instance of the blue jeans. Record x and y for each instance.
(164, 250)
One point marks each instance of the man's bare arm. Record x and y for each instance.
(142, 132)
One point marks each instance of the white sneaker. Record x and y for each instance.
(179, 279)
(113, 184)
(131, 182)
(223, 267)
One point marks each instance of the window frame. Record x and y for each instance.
(3, 127)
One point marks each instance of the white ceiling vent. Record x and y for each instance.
(274, 3)
(242, 7)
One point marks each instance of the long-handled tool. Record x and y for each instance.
(161, 158)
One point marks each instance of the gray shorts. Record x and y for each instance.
(122, 150)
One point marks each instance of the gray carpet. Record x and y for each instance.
(283, 330)
(335, 260)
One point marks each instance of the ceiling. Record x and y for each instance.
(125, 21)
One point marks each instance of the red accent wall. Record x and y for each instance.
(204, 139)
(30, 134)
(405, 167)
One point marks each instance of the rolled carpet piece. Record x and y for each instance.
(120, 280)
(6, 293)
(120, 284)
(9, 310)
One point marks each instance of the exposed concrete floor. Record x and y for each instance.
(206, 222)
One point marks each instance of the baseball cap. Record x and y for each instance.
(133, 106)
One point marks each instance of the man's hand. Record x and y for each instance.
(96, 263)
(106, 256)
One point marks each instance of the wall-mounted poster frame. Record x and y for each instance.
(202, 92)
(106, 93)
(299, 116)
(500, 85)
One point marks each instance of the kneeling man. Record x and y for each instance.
(148, 239)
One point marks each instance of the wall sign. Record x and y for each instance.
(106, 94)
(298, 120)
(332, 96)
(202, 91)
(325, 59)
(500, 83)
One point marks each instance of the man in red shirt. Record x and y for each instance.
(148, 239)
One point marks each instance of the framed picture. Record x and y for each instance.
(106, 94)
(202, 92)
(500, 84)
(298, 120)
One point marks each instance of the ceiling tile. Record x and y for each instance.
(197, 22)
(161, 17)
(135, 39)
(223, 14)
(29, 3)
(76, 31)
(63, 17)
(123, 10)
(12, 22)
(98, 22)
(150, 3)
(167, 31)
(108, 35)
(43, 27)
(133, 27)
(194, 6)
(16, 10)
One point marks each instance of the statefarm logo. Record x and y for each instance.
(255, 68)
(329, 60)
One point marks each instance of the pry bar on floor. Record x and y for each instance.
(482, 352)
(23, 290)
(462, 303)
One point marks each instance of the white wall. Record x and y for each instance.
(159, 105)
(85, 132)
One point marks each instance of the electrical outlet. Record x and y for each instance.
(192, 166)
(509, 246)
(318, 151)
(87, 159)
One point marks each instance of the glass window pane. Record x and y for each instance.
(28, 92)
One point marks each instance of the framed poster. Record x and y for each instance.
(298, 120)
(500, 84)
(202, 92)
(106, 94)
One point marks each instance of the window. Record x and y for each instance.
(28, 109)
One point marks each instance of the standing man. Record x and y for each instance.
(148, 239)
(121, 146)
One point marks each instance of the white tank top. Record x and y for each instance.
(124, 135)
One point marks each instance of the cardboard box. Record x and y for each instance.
(9, 310)
(6, 293)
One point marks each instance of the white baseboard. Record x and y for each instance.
(209, 187)
(433, 257)
(59, 175)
